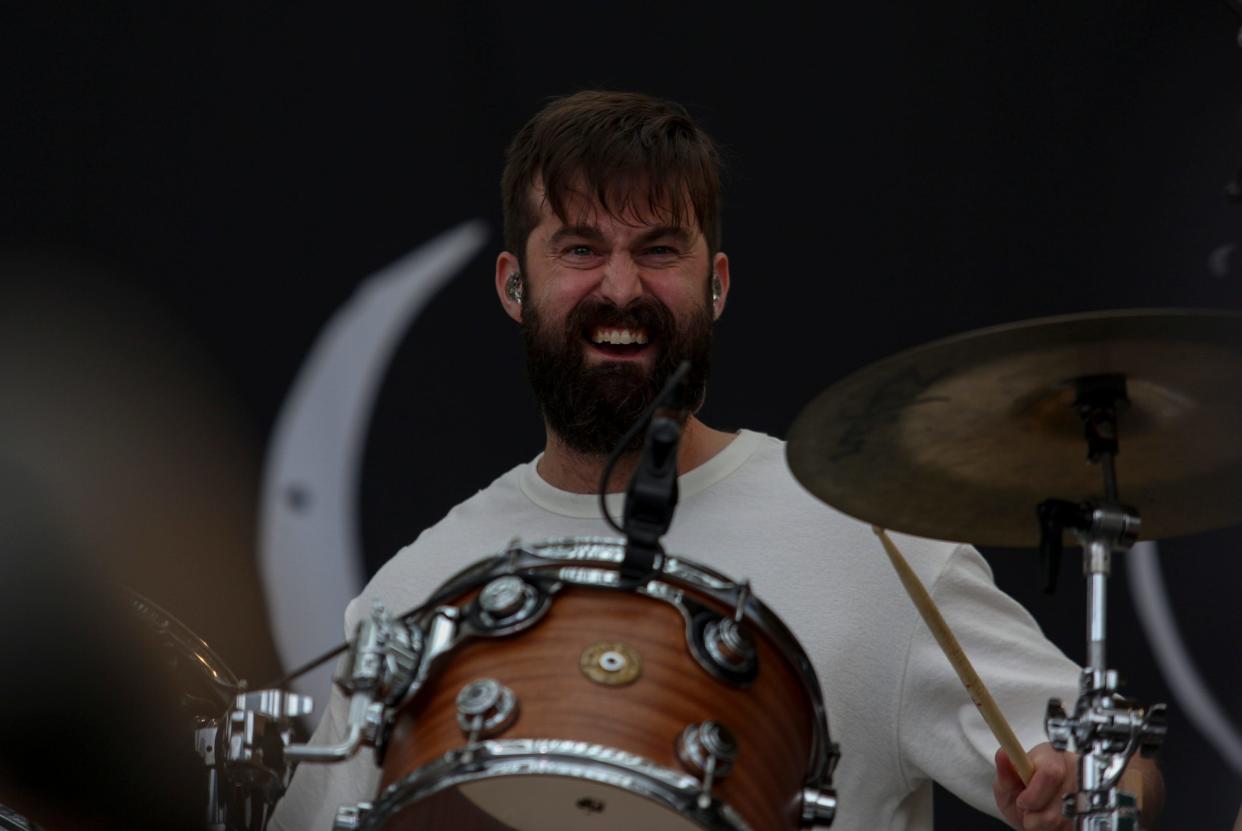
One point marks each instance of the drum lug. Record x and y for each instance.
(709, 749)
(730, 645)
(818, 808)
(351, 817)
(722, 646)
(485, 708)
(506, 605)
(504, 597)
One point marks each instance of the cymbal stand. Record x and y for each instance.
(1105, 729)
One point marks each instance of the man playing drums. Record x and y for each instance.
(613, 270)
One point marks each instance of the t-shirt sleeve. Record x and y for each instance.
(942, 736)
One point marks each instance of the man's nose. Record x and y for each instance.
(622, 280)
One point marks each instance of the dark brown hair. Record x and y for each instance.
(633, 153)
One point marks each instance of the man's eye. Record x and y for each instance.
(579, 250)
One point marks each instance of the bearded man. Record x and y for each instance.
(614, 271)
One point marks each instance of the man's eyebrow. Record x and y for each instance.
(675, 232)
(587, 232)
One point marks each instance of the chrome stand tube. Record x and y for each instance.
(1105, 729)
(1096, 564)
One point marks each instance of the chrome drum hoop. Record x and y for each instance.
(190, 645)
(596, 561)
(554, 757)
(10, 820)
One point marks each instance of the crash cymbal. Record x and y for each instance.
(960, 439)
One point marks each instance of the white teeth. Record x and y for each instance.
(619, 336)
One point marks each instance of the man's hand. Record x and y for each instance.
(1037, 806)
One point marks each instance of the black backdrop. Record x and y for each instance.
(899, 172)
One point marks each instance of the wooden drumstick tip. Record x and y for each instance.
(944, 636)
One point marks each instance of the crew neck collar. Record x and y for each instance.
(586, 505)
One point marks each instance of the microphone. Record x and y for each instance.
(651, 495)
(651, 498)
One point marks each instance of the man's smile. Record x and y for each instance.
(618, 343)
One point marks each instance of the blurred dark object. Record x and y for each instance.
(1233, 189)
(93, 735)
(124, 463)
(137, 442)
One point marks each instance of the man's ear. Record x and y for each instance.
(510, 285)
(720, 278)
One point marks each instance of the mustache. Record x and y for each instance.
(645, 313)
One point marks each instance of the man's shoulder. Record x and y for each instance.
(764, 492)
(473, 528)
(475, 516)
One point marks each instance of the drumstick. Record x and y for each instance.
(961, 664)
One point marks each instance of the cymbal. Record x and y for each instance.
(962, 438)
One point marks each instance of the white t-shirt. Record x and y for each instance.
(894, 704)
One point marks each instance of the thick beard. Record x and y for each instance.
(591, 407)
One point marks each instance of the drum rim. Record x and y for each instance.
(10, 819)
(160, 619)
(495, 758)
(595, 552)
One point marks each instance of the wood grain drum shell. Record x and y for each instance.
(771, 719)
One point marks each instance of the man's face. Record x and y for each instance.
(611, 306)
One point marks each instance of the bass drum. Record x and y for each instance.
(555, 693)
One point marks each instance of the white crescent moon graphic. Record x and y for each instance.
(309, 544)
(1151, 601)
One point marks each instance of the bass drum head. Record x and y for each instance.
(537, 803)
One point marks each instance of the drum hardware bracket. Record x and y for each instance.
(379, 668)
(1106, 730)
(254, 717)
(206, 740)
(819, 807)
(351, 817)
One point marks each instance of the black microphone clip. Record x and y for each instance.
(650, 499)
